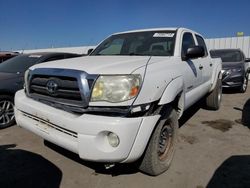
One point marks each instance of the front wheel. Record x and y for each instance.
(244, 85)
(160, 150)
(7, 117)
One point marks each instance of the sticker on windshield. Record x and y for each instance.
(35, 56)
(163, 35)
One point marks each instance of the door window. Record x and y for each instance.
(187, 42)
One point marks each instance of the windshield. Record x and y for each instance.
(227, 55)
(19, 64)
(148, 43)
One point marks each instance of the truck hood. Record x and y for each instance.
(99, 64)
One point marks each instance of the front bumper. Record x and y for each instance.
(85, 134)
(232, 79)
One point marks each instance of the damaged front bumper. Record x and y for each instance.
(86, 134)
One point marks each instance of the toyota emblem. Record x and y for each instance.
(51, 87)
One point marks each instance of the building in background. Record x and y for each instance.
(242, 43)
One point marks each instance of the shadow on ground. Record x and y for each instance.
(230, 90)
(99, 168)
(234, 172)
(19, 168)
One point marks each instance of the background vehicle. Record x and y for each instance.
(11, 79)
(234, 67)
(7, 55)
(124, 99)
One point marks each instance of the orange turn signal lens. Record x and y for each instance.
(134, 91)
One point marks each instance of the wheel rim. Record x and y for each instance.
(165, 141)
(6, 112)
(220, 93)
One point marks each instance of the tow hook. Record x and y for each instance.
(109, 166)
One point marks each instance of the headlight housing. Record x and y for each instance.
(117, 88)
(239, 69)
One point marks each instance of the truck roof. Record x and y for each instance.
(157, 29)
(151, 29)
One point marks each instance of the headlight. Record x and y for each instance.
(116, 88)
(236, 69)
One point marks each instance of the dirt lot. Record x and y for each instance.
(213, 151)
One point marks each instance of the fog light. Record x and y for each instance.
(113, 139)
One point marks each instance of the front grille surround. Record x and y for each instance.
(74, 88)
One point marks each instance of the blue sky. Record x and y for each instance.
(30, 24)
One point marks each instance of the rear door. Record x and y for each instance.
(205, 62)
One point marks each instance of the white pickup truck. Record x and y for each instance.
(121, 103)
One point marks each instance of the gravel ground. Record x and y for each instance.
(213, 151)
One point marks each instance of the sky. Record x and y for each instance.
(33, 24)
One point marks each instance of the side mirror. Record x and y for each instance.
(247, 60)
(90, 50)
(194, 52)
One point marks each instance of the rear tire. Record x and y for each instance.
(245, 114)
(160, 150)
(213, 100)
(7, 117)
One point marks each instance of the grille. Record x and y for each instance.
(67, 88)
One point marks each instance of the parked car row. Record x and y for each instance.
(7, 55)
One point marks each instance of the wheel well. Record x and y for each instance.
(7, 94)
(177, 104)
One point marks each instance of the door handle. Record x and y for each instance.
(200, 67)
(211, 64)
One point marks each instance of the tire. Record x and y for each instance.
(213, 100)
(7, 117)
(244, 85)
(246, 114)
(158, 155)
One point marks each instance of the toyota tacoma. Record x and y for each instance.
(122, 102)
